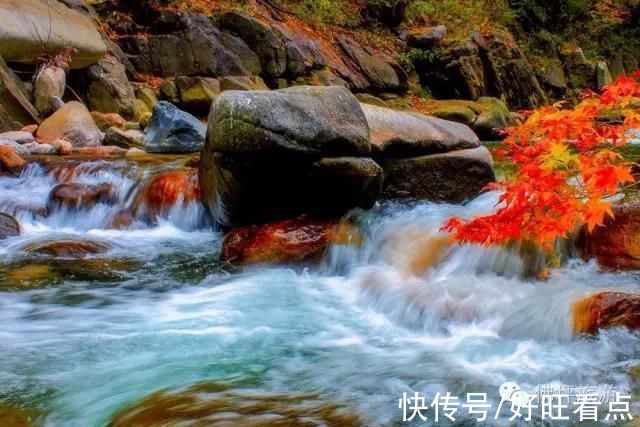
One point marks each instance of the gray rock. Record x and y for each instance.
(50, 84)
(108, 88)
(428, 38)
(37, 148)
(197, 93)
(304, 119)
(603, 76)
(404, 134)
(124, 138)
(20, 149)
(20, 137)
(453, 177)
(171, 130)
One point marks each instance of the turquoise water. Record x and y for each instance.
(360, 329)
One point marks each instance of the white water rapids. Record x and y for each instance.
(360, 330)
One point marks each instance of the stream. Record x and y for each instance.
(82, 339)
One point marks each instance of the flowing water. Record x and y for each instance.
(403, 312)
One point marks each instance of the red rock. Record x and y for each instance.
(102, 151)
(166, 190)
(617, 244)
(9, 226)
(10, 160)
(606, 310)
(294, 240)
(68, 248)
(78, 196)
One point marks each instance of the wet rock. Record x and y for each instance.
(606, 310)
(102, 151)
(108, 88)
(194, 46)
(427, 38)
(20, 137)
(452, 177)
(9, 226)
(63, 147)
(124, 138)
(13, 416)
(242, 83)
(261, 38)
(105, 121)
(10, 160)
(73, 123)
(220, 404)
(67, 248)
(173, 131)
(617, 244)
(74, 196)
(295, 240)
(36, 148)
(30, 276)
(300, 120)
(197, 93)
(400, 134)
(164, 192)
(50, 84)
(21, 149)
(60, 26)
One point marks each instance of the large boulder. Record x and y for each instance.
(452, 177)
(404, 134)
(33, 28)
(108, 88)
(606, 310)
(617, 244)
(73, 123)
(171, 130)
(274, 155)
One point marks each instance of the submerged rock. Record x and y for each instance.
(76, 196)
(295, 240)
(67, 248)
(161, 193)
(452, 177)
(9, 226)
(219, 404)
(73, 123)
(606, 310)
(173, 131)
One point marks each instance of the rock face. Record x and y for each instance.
(57, 25)
(272, 155)
(452, 177)
(74, 196)
(173, 131)
(606, 310)
(191, 45)
(295, 240)
(9, 226)
(617, 244)
(400, 134)
(73, 123)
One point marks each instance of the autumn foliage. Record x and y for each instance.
(568, 168)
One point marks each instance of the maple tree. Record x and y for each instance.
(567, 169)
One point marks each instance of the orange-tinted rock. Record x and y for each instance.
(10, 160)
(294, 240)
(9, 226)
(414, 251)
(73, 123)
(79, 196)
(63, 147)
(103, 151)
(165, 191)
(106, 120)
(121, 220)
(31, 129)
(606, 310)
(68, 248)
(617, 244)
